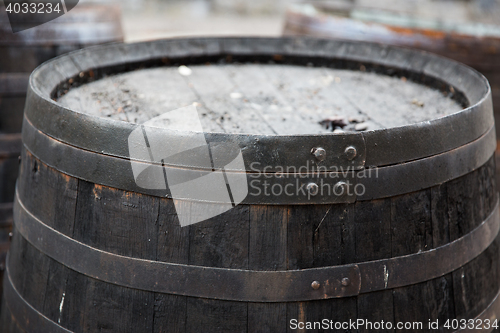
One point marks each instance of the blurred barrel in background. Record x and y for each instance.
(20, 54)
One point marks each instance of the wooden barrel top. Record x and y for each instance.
(267, 99)
(243, 88)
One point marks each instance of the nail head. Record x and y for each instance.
(340, 188)
(312, 188)
(351, 152)
(319, 153)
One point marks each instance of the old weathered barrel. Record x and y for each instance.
(22, 52)
(5, 232)
(387, 213)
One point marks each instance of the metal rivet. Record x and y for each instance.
(312, 188)
(351, 152)
(340, 188)
(315, 285)
(319, 153)
(346, 282)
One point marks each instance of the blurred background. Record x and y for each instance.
(151, 19)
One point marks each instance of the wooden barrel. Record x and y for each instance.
(22, 52)
(387, 213)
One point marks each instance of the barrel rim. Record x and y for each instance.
(376, 148)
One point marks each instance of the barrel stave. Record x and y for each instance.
(267, 251)
(116, 221)
(57, 206)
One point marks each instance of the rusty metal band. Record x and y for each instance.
(32, 321)
(249, 285)
(375, 148)
(362, 185)
(26, 316)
